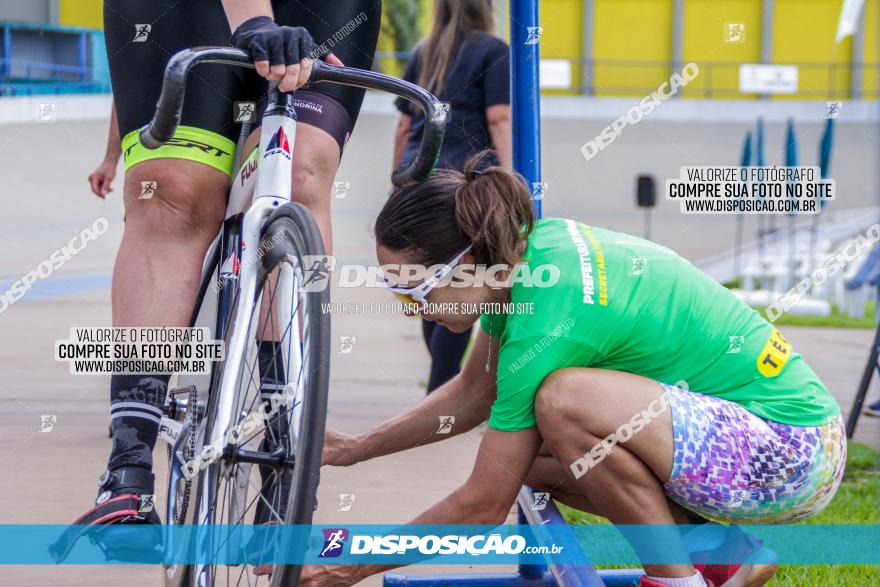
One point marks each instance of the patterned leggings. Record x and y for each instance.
(731, 465)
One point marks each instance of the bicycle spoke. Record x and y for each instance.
(268, 504)
(247, 493)
(269, 427)
(270, 321)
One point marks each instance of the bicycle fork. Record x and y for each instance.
(273, 189)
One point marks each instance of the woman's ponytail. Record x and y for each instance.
(493, 209)
(487, 208)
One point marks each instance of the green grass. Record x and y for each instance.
(833, 321)
(856, 502)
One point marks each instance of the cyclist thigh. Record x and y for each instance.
(349, 30)
(138, 55)
(137, 66)
(175, 199)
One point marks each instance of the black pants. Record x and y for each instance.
(137, 57)
(447, 349)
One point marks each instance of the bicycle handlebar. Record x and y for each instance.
(170, 105)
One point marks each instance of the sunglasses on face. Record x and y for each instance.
(415, 298)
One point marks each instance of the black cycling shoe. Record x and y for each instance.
(125, 496)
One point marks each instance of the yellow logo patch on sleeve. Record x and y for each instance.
(775, 355)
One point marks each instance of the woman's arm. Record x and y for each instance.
(468, 397)
(503, 461)
(238, 11)
(401, 137)
(280, 53)
(114, 145)
(101, 178)
(498, 119)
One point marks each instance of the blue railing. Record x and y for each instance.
(717, 79)
(23, 78)
(28, 66)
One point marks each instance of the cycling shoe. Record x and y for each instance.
(125, 497)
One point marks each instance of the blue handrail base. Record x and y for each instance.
(621, 577)
(472, 580)
(611, 578)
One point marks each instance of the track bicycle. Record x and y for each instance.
(269, 474)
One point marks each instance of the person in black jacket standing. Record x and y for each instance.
(467, 67)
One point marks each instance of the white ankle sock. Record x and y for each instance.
(696, 580)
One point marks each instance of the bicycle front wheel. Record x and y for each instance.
(272, 386)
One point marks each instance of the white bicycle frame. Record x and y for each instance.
(253, 197)
(272, 189)
(261, 185)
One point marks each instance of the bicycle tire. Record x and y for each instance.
(290, 235)
(295, 220)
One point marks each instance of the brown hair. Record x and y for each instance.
(432, 221)
(453, 21)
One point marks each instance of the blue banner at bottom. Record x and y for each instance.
(404, 545)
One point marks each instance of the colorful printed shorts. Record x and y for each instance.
(731, 465)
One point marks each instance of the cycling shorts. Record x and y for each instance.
(141, 37)
(730, 465)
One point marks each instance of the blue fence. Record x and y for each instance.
(48, 59)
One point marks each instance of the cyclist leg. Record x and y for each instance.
(325, 119)
(174, 202)
(174, 196)
(326, 115)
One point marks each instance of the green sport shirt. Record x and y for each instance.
(627, 304)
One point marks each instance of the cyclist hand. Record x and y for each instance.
(102, 178)
(327, 576)
(279, 52)
(339, 449)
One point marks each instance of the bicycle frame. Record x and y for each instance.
(261, 184)
(272, 189)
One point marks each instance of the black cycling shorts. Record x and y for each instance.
(142, 35)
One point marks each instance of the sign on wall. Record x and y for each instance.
(758, 78)
(555, 74)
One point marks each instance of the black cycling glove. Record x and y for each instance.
(266, 41)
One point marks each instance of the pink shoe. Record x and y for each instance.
(758, 567)
(644, 581)
(747, 575)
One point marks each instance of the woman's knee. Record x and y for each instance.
(314, 169)
(175, 199)
(562, 398)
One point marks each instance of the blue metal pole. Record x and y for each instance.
(525, 99)
(525, 104)
(83, 58)
(762, 220)
(583, 575)
(7, 49)
(528, 570)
